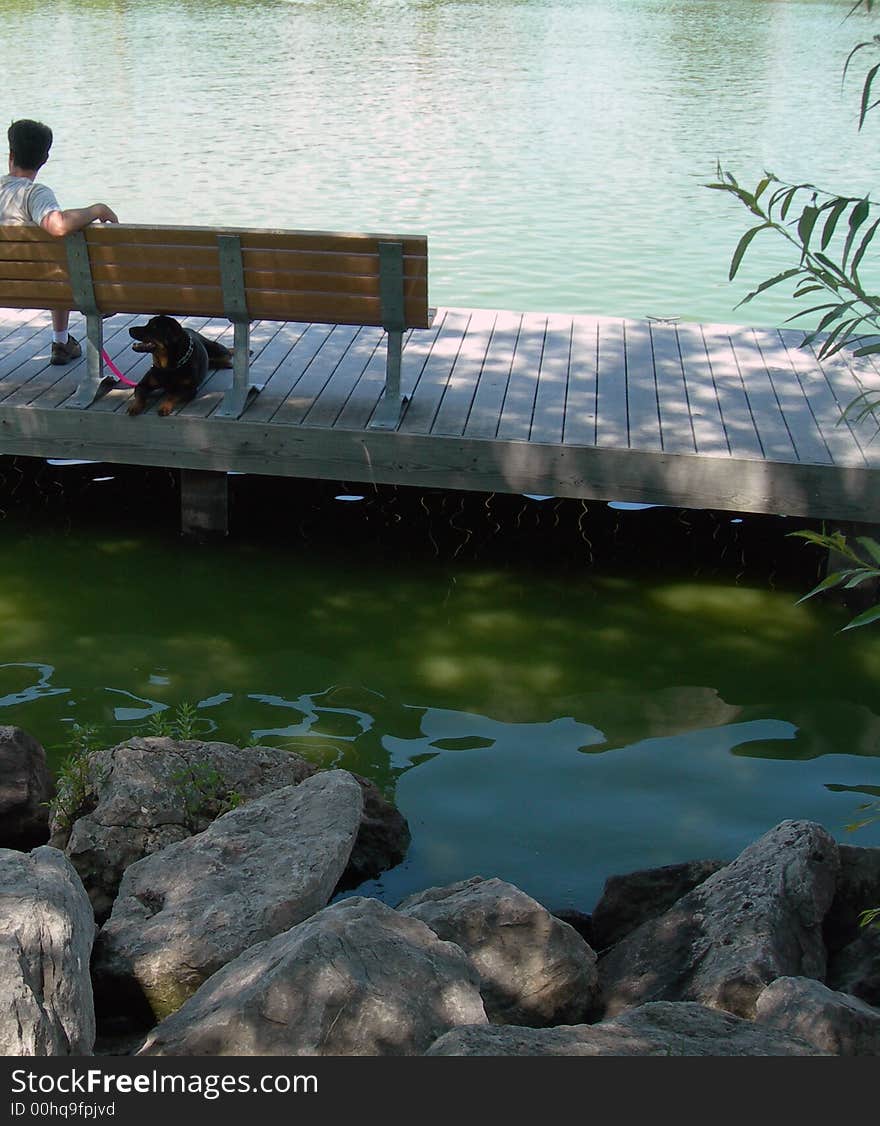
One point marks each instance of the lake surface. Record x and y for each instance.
(553, 692)
(554, 151)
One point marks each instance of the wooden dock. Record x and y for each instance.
(688, 415)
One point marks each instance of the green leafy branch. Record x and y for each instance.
(810, 220)
(865, 567)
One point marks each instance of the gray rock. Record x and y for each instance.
(833, 1022)
(186, 911)
(629, 900)
(858, 889)
(659, 1028)
(356, 979)
(148, 793)
(856, 968)
(25, 790)
(46, 935)
(756, 919)
(534, 969)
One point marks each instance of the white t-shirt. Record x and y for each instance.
(25, 201)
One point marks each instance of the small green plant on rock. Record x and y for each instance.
(204, 793)
(74, 783)
(181, 724)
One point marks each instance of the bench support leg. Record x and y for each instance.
(96, 382)
(236, 399)
(204, 503)
(390, 408)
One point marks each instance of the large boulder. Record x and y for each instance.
(148, 793)
(25, 790)
(856, 968)
(833, 1022)
(534, 969)
(256, 871)
(631, 899)
(46, 935)
(356, 979)
(758, 918)
(858, 889)
(659, 1028)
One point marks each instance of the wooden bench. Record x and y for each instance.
(243, 274)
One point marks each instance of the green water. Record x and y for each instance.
(553, 692)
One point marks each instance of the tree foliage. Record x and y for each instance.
(832, 238)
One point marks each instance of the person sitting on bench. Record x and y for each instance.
(24, 200)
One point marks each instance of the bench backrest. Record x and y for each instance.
(324, 277)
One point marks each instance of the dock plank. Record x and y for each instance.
(676, 420)
(548, 421)
(580, 406)
(482, 421)
(733, 402)
(461, 386)
(519, 403)
(710, 436)
(642, 404)
(612, 415)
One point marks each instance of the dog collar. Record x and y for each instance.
(185, 358)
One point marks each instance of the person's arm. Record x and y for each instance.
(61, 223)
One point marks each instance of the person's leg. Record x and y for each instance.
(64, 347)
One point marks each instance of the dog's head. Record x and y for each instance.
(165, 337)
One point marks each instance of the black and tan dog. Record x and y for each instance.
(181, 358)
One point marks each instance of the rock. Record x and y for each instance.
(629, 900)
(534, 969)
(580, 920)
(186, 911)
(833, 1022)
(756, 919)
(856, 968)
(25, 790)
(148, 793)
(858, 889)
(659, 1028)
(46, 935)
(382, 841)
(356, 979)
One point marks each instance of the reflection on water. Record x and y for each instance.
(553, 692)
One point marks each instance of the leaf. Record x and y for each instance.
(789, 197)
(863, 619)
(807, 222)
(860, 253)
(828, 583)
(770, 282)
(858, 215)
(871, 546)
(866, 93)
(837, 209)
(857, 580)
(741, 248)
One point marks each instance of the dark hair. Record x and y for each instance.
(29, 143)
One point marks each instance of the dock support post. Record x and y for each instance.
(204, 503)
(388, 412)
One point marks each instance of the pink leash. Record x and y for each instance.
(116, 370)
